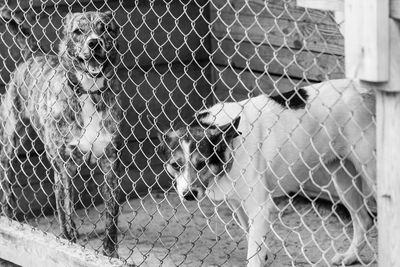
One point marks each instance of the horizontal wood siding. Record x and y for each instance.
(272, 45)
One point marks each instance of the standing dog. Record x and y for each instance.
(249, 152)
(71, 101)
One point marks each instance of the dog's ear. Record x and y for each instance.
(162, 149)
(230, 130)
(153, 123)
(109, 13)
(112, 25)
(221, 136)
(67, 22)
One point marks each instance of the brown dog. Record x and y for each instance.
(70, 100)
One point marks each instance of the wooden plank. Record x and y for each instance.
(229, 23)
(367, 40)
(25, 246)
(388, 156)
(287, 10)
(339, 18)
(353, 28)
(394, 56)
(333, 5)
(236, 84)
(278, 60)
(375, 67)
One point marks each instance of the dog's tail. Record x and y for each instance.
(20, 30)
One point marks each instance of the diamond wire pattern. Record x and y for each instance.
(176, 58)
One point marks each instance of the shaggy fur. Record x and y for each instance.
(248, 153)
(70, 99)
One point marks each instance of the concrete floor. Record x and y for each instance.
(160, 230)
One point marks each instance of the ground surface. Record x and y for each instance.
(160, 230)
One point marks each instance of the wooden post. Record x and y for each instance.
(367, 40)
(388, 157)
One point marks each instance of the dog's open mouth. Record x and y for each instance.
(95, 65)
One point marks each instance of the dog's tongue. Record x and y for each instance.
(93, 66)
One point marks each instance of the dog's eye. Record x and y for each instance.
(200, 165)
(175, 166)
(100, 27)
(78, 31)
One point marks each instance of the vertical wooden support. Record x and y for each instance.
(388, 157)
(367, 39)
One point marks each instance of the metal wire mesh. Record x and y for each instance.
(174, 59)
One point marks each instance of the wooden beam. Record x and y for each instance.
(388, 157)
(25, 246)
(394, 59)
(367, 40)
(332, 5)
(278, 61)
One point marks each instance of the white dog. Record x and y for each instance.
(251, 151)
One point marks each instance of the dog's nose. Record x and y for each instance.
(191, 195)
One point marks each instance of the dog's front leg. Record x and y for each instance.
(109, 165)
(64, 170)
(258, 210)
(7, 201)
(241, 215)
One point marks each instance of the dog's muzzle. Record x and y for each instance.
(193, 194)
(97, 46)
(190, 195)
(95, 59)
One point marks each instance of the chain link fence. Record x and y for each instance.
(174, 59)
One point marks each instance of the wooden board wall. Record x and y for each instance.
(272, 45)
(164, 69)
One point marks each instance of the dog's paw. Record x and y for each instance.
(71, 234)
(110, 253)
(344, 259)
(74, 235)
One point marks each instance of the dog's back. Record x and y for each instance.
(336, 120)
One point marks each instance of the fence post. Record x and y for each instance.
(388, 174)
(388, 157)
(373, 55)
